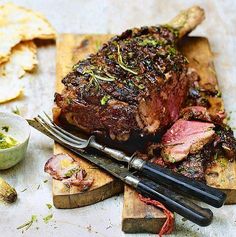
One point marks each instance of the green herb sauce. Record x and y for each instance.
(7, 141)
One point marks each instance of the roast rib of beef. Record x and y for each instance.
(134, 85)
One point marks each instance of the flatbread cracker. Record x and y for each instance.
(22, 59)
(10, 89)
(19, 24)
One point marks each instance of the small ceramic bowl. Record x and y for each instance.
(18, 129)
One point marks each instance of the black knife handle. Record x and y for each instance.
(176, 203)
(178, 182)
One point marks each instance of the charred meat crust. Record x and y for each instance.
(136, 82)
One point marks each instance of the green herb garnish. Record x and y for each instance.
(28, 223)
(172, 51)
(105, 99)
(122, 64)
(46, 219)
(186, 60)
(69, 101)
(98, 77)
(216, 156)
(151, 42)
(5, 128)
(173, 30)
(219, 94)
(141, 86)
(98, 44)
(49, 206)
(45, 181)
(72, 171)
(16, 110)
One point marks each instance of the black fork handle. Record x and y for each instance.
(175, 202)
(178, 182)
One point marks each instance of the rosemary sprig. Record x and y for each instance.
(98, 77)
(28, 223)
(122, 64)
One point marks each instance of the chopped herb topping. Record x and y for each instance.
(216, 156)
(141, 86)
(47, 218)
(98, 44)
(105, 99)
(122, 64)
(5, 128)
(186, 60)
(173, 30)
(29, 223)
(172, 51)
(151, 42)
(69, 101)
(72, 171)
(45, 181)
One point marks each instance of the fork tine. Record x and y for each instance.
(51, 132)
(58, 135)
(64, 131)
(75, 141)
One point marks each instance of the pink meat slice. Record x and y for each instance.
(185, 137)
(65, 168)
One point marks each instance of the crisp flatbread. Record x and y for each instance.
(23, 58)
(19, 24)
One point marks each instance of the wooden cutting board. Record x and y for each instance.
(137, 216)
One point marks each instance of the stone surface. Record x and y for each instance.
(105, 16)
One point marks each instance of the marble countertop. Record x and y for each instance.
(105, 16)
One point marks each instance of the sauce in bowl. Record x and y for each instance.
(7, 141)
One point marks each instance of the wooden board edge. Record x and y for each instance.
(142, 225)
(148, 219)
(89, 197)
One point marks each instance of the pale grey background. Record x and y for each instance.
(106, 16)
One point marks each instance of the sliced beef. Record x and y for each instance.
(185, 137)
(135, 84)
(63, 167)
